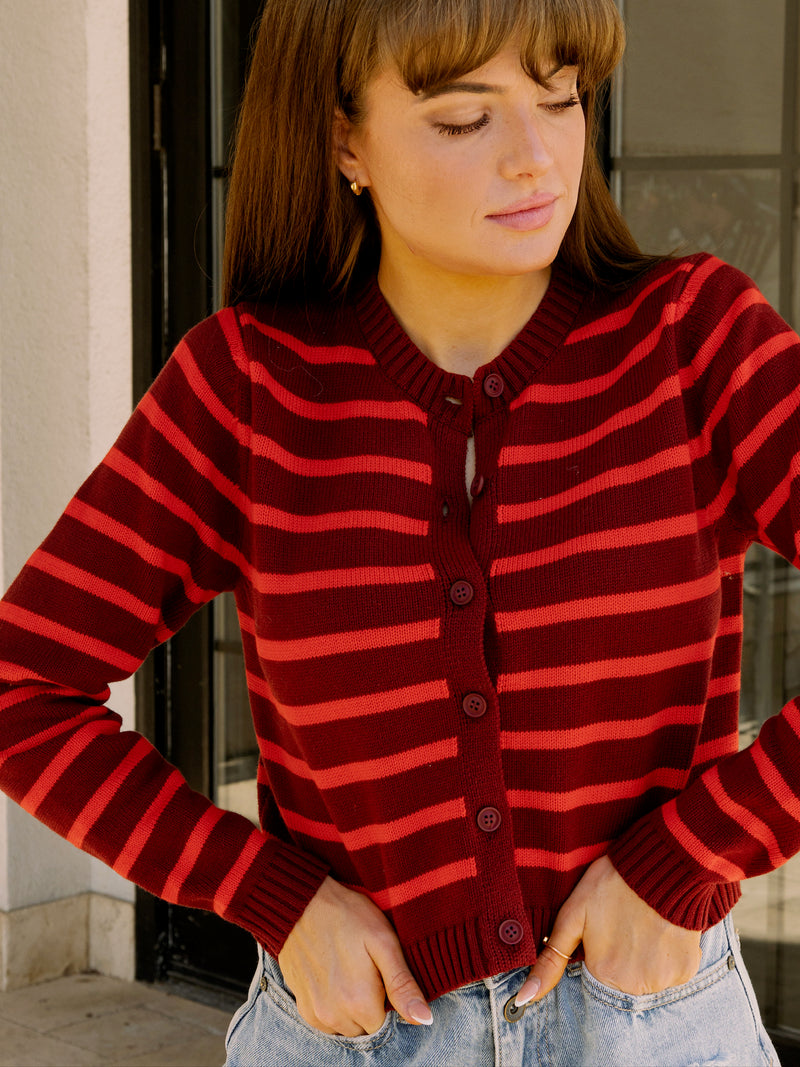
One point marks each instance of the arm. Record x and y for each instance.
(639, 910)
(154, 533)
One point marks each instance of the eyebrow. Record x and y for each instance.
(471, 87)
(459, 87)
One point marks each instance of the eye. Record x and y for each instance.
(448, 129)
(562, 105)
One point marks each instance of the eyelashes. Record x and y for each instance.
(562, 105)
(447, 129)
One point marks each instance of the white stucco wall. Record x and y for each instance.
(65, 334)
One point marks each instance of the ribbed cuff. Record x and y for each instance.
(668, 879)
(269, 907)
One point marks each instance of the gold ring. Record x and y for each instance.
(563, 955)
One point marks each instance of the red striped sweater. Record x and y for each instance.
(457, 708)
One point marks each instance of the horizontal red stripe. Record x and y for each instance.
(184, 446)
(568, 392)
(375, 410)
(718, 336)
(363, 770)
(744, 371)
(75, 745)
(235, 876)
(775, 501)
(702, 855)
(91, 583)
(601, 670)
(146, 550)
(783, 794)
(344, 578)
(560, 861)
(365, 704)
(615, 604)
(724, 686)
(599, 732)
(184, 865)
(619, 319)
(747, 819)
(63, 726)
(62, 635)
(144, 828)
(381, 833)
(309, 467)
(318, 354)
(716, 749)
(266, 515)
(159, 492)
(97, 804)
(417, 887)
(648, 533)
(206, 395)
(517, 455)
(631, 474)
(338, 644)
(591, 795)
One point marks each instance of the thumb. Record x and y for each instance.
(550, 964)
(401, 987)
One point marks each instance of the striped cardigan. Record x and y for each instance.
(457, 707)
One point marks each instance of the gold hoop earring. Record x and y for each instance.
(355, 187)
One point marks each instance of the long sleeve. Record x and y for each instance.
(741, 816)
(154, 533)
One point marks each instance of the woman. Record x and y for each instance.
(481, 476)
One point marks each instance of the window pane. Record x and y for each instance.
(768, 916)
(235, 747)
(703, 78)
(734, 214)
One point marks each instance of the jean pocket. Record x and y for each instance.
(282, 999)
(630, 1002)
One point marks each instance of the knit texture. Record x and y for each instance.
(458, 707)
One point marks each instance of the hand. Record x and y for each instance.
(626, 944)
(342, 960)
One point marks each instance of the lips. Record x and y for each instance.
(532, 213)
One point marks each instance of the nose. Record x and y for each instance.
(526, 150)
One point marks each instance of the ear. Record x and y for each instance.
(345, 149)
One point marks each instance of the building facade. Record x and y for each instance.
(112, 204)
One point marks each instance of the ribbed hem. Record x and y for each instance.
(669, 880)
(269, 907)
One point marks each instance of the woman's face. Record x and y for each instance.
(479, 177)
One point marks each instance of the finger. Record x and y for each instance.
(401, 987)
(549, 968)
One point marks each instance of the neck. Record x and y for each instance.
(461, 322)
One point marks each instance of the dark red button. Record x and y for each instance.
(474, 705)
(478, 483)
(489, 820)
(493, 385)
(461, 593)
(511, 932)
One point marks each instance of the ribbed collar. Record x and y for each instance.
(429, 386)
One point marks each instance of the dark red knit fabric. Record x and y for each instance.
(458, 708)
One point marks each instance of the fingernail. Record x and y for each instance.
(523, 998)
(420, 1012)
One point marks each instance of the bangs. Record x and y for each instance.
(432, 42)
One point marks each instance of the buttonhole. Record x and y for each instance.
(454, 400)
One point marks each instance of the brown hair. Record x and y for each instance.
(294, 229)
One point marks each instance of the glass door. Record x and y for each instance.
(188, 63)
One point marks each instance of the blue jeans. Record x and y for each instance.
(713, 1019)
